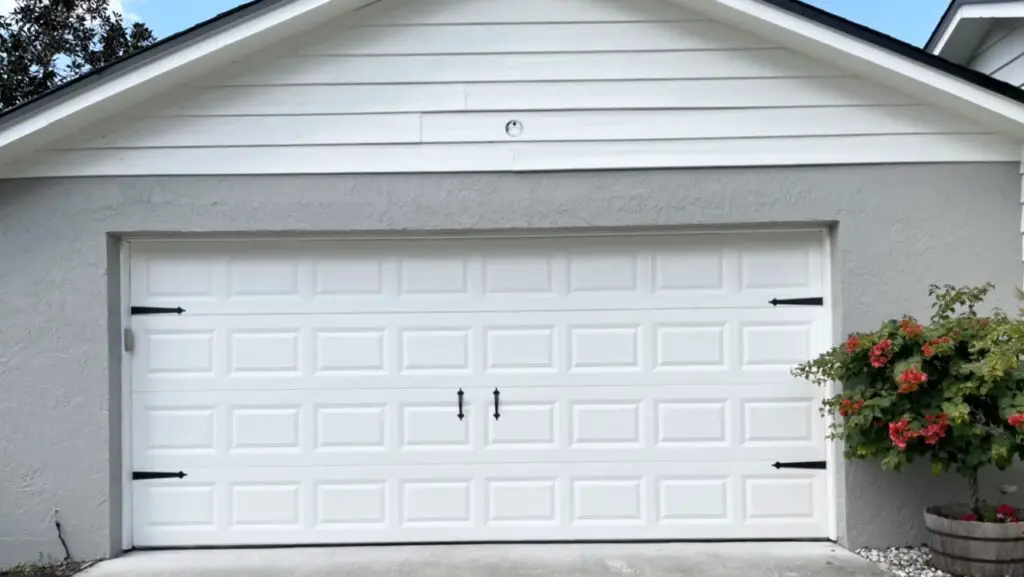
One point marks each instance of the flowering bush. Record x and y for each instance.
(951, 391)
(1000, 514)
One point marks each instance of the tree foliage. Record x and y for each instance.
(44, 43)
(951, 391)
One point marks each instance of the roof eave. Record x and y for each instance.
(178, 59)
(964, 24)
(860, 49)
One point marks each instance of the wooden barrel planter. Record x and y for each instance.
(971, 548)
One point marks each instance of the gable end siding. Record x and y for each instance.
(428, 86)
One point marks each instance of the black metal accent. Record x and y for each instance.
(497, 397)
(807, 302)
(157, 311)
(800, 465)
(149, 475)
(461, 414)
(60, 535)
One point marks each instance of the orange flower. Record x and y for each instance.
(849, 407)
(881, 353)
(852, 344)
(911, 329)
(912, 379)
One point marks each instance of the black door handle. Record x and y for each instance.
(461, 414)
(497, 398)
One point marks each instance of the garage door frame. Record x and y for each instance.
(833, 452)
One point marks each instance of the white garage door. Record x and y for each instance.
(311, 390)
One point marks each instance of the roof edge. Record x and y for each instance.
(900, 47)
(139, 57)
(951, 37)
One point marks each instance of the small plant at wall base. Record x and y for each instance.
(950, 391)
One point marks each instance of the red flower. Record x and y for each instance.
(934, 429)
(910, 329)
(1016, 420)
(849, 407)
(881, 353)
(899, 433)
(929, 348)
(969, 517)
(912, 379)
(1006, 513)
(852, 344)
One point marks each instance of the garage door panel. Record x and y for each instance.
(550, 424)
(174, 383)
(544, 501)
(193, 462)
(316, 351)
(550, 274)
(496, 303)
(310, 390)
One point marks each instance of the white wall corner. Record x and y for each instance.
(1022, 212)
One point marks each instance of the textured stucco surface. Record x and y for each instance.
(897, 228)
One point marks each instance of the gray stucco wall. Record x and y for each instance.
(897, 228)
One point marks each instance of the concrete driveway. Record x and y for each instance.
(619, 560)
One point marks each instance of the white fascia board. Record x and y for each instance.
(999, 113)
(180, 62)
(948, 33)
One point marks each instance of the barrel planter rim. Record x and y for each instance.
(943, 519)
(973, 548)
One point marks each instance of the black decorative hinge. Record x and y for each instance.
(148, 475)
(157, 311)
(800, 465)
(807, 302)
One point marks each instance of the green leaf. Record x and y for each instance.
(975, 381)
(959, 412)
(894, 461)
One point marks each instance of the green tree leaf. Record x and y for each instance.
(44, 43)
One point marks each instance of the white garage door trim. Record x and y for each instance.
(831, 449)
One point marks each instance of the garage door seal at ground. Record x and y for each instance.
(790, 559)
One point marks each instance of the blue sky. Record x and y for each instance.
(909, 20)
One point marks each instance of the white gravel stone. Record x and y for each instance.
(903, 561)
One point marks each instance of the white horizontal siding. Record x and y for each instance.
(498, 157)
(538, 126)
(521, 67)
(535, 38)
(1001, 54)
(428, 12)
(335, 99)
(429, 85)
